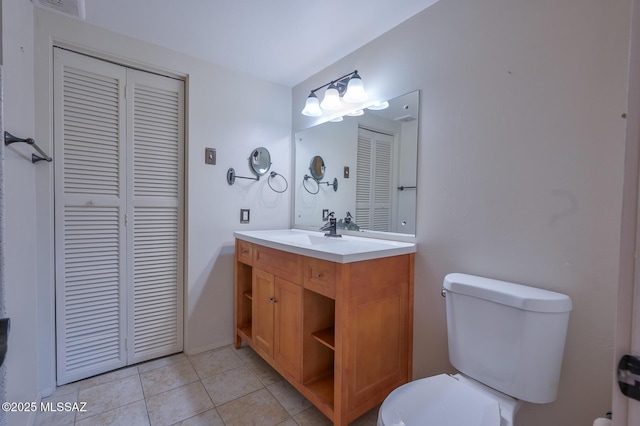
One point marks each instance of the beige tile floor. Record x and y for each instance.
(216, 388)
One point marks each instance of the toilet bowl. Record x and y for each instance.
(507, 342)
(447, 400)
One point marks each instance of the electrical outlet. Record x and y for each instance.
(244, 215)
(325, 214)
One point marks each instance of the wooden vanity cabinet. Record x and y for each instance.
(341, 333)
(263, 310)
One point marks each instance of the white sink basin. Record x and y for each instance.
(314, 244)
(303, 239)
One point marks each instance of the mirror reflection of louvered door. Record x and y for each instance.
(118, 143)
(374, 168)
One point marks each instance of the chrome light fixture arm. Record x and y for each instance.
(349, 87)
(340, 83)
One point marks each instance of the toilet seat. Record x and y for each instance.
(440, 400)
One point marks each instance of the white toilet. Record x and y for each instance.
(506, 340)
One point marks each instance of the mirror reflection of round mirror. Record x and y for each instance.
(260, 161)
(317, 167)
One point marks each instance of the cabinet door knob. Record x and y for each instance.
(273, 300)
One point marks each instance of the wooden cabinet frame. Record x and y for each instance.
(340, 333)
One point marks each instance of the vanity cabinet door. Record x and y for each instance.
(263, 310)
(288, 326)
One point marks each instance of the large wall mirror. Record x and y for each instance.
(374, 157)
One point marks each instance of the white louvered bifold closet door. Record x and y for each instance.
(155, 216)
(118, 247)
(373, 180)
(90, 202)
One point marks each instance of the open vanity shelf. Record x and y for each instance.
(326, 337)
(340, 333)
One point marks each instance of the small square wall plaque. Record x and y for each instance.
(210, 156)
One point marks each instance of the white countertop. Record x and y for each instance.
(346, 249)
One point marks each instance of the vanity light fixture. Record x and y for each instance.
(331, 99)
(379, 106)
(312, 107)
(349, 87)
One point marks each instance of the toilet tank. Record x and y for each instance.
(507, 336)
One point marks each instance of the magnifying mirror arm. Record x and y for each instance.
(231, 176)
(247, 177)
(333, 183)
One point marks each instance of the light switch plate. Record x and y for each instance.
(325, 214)
(244, 215)
(346, 172)
(210, 156)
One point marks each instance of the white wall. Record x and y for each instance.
(231, 112)
(520, 165)
(20, 203)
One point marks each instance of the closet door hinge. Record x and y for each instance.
(126, 219)
(126, 344)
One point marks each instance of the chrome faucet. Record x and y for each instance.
(330, 227)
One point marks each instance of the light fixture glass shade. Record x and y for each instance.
(331, 99)
(355, 90)
(379, 105)
(312, 106)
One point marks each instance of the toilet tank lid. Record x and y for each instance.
(506, 293)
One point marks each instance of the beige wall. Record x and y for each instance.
(520, 165)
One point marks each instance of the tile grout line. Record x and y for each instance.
(215, 407)
(246, 360)
(144, 398)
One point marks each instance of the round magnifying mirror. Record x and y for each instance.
(260, 161)
(317, 167)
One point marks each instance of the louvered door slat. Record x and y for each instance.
(92, 301)
(89, 202)
(155, 304)
(156, 198)
(116, 158)
(158, 144)
(89, 106)
(363, 183)
(157, 116)
(373, 180)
